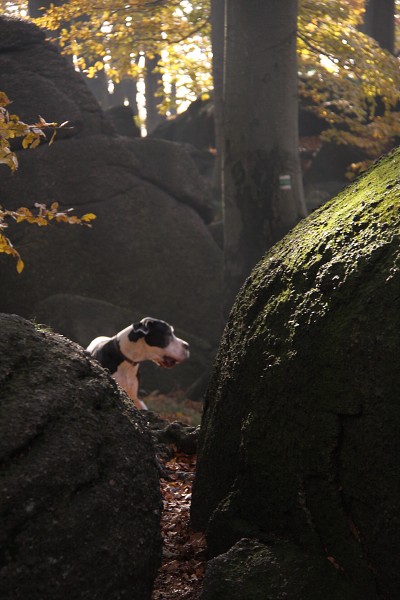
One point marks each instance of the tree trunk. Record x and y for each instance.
(218, 42)
(152, 85)
(262, 192)
(379, 22)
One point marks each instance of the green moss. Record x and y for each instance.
(311, 351)
(315, 260)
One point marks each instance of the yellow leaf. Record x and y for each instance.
(20, 265)
(4, 100)
(35, 143)
(88, 217)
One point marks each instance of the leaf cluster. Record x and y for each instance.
(113, 35)
(345, 77)
(12, 127)
(41, 217)
(184, 556)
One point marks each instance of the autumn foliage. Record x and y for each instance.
(344, 75)
(12, 127)
(346, 78)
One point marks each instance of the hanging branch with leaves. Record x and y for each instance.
(12, 127)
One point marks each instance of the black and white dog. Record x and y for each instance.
(150, 339)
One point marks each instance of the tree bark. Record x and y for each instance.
(218, 43)
(261, 133)
(152, 84)
(379, 22)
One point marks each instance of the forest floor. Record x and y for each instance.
(184, 557)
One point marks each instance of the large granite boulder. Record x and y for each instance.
(79, 500)
(149, 249)
(194, 126)
(300, 434)
(123, 120)
(169, 166)
(40, 81)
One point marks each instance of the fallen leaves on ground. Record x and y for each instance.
(174, 407)
(184, 560)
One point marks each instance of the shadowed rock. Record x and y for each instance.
(80, 500)
(251, 570)
(149, 250)
(299, 437)
(122, 117)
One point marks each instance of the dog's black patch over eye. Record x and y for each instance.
(160, 334)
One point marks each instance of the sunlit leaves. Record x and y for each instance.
(114, 34)
(344, 75)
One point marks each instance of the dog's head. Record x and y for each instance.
(160, 343)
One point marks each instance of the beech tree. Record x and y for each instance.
(262, 189)
(343, 73)
(217, 17)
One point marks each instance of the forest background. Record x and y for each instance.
(341, 60)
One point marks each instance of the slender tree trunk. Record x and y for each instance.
(173, 109)
(152, 84)
(262, 193)
(218, 42)
(379, 22)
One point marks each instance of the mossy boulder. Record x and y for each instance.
(79, 488)
(300, 434)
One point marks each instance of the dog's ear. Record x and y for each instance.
(138, 331)
(141, 327)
